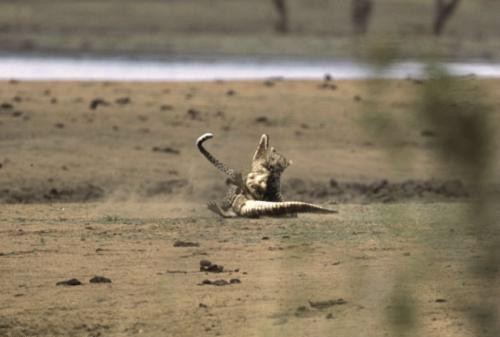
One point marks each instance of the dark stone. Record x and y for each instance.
(194, 114)
(166, 107)
(210, 267)
(122, 100)
(7, 106)
(100, 279)
(166, 149)
(326, 304)
(70, 282)
(186, 244)
(218, 283)
(96, 102)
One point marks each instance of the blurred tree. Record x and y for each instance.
(282, 26)
(444, 10)
(361, 11)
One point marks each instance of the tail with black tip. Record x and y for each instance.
(233, 175)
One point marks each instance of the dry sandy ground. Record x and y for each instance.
(366, 256)
(138, 141)
(108, 191)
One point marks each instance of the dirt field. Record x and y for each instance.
(104, 179)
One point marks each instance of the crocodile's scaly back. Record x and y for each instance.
(256, 208)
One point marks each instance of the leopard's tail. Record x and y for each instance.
(233, 175)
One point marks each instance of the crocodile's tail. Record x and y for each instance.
(255, 208)
(233, 175)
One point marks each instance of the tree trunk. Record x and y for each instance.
(444, 10)
(361, 12)
(282, 25)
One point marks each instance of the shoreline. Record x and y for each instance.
(210, 69)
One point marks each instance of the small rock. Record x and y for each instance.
(193, 113)
(122, 100)
(166, 149)
(100, 279)
(326, 304)
(234, 280)
(186, 244)
(230, 92)
(262, 120)
(166, 107)
(59, 125)
(329, 316)
(218, 283)
(94, 104)
(7, 106)
(70, 282)
(210, 267)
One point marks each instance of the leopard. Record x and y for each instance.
(259, 193)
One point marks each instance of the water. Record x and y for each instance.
(66, 68)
